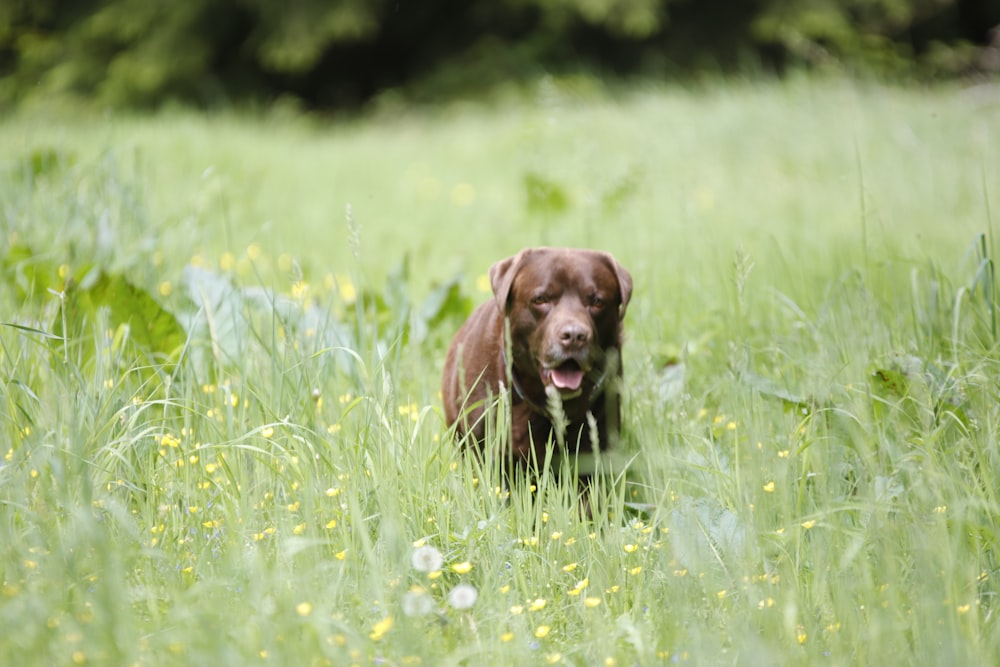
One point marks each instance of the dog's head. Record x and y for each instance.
(565, 308)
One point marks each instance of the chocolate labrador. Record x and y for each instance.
(550, 339)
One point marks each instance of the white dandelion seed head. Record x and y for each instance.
(427, 559)
(463, 596)
(417, 603)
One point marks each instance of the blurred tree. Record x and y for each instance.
(292, 36)
(625, 18)
(335, 52)
(821, 30)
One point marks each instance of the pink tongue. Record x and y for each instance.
(567, 379)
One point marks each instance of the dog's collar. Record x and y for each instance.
(541, 409)
(516, 385)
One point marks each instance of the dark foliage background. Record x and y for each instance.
(336, 53)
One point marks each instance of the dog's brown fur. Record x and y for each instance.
(564, 309)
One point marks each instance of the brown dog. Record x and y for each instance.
(563, 309)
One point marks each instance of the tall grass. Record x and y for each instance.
(811, 404)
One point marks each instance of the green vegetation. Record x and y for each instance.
(345, 53)
(222, 337)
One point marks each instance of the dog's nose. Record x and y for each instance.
(573, 336)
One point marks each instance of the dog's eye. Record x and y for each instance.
(540, 300)
(596, 302)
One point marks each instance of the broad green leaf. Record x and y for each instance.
(790, 400)
(889, 383)
(152, 327)
(30, 274)
(443, 303)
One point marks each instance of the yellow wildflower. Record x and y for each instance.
(381, 628)
(462, 568)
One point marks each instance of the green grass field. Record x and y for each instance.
(221, 347)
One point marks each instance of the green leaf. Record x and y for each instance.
(224, 320)
(45, 161)
(444, 302)
(544, 196)
(31, 330)
(152, 327)
(30, 275)
(889, 383)
(214, 316)
(790, 401)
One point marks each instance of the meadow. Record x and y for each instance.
(221, 338)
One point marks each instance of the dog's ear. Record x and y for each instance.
(624, 283)
(502, 279)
